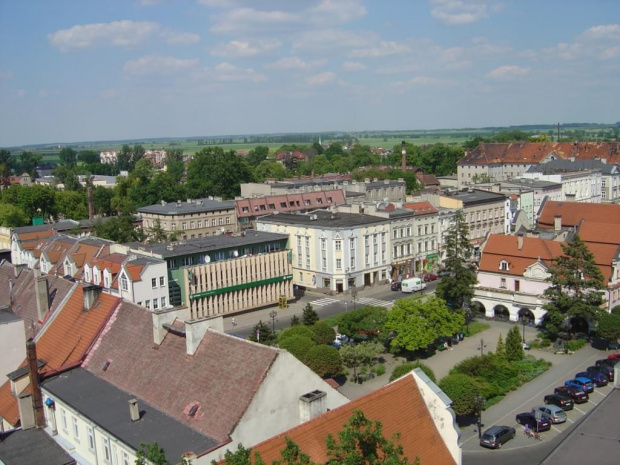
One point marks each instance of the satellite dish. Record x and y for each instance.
(207, 259)
(235, 253)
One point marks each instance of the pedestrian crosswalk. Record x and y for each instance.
(323, 302)
(374, 302)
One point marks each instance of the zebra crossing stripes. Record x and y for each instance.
(374, 302)
(323, 302)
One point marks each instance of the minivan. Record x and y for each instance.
(495, 436)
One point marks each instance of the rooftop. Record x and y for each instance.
(187, 208)
(19, 447)
(323, 219)
(568, 166)
(573, 212)
(108, 407)
(476, 196)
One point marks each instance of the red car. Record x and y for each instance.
(614, 356)
(430, 277)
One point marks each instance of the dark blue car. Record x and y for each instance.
(597, 378)
(582, 383)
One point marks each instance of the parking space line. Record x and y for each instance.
(593, 402)
(579, 410)
(568, 419)
(558, 430)
(599, 392)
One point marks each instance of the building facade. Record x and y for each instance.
(426, 236)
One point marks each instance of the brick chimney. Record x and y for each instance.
(311, 405)
(403, 157)
(37, 397)
(519, 241)
(90, 293)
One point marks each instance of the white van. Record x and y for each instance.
(412, 285)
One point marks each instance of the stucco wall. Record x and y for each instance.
(12, 347)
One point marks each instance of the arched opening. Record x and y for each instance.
(478, 309)
(527, 316)
(501, 313)
(579, 324)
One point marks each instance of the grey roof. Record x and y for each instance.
(532, 183)
(7, 316)
(108, 407)
(400, 213)
(380, 184)
(14, 375)
(567, 166)
(60, 226)
(31, 446)
(477, 196)
(185, 208)
(207, 244)
(324, 219)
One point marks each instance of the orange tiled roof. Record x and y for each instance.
(8, 404)
(533, 152)
(135, 272)
(573, 212)
(399, 407)
(603, 233)
(420, 208)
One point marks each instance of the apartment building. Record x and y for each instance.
(426, 235)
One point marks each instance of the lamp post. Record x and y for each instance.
(482, 346)
(273, 315)
(354, 295)
(479, 403)
(523, 323)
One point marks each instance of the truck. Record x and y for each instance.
(412, 285)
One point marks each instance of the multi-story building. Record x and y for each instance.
(250, 209)
(192, 219)
(426, 235)
(109, 158)
(224, 275)
(501, 162)
(334, 252)
(445, 220)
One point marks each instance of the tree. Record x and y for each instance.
(309, 316)
(405, 368)
(89, 157)
(151, 454)
(418, 324)
(500, 350)
(12, 216)
(270, 169)
(156, 233)
(241, 456)
(324, 361)
(462, 391)
(362, 354)
(514, 345)
(6, 166)
(295, 321)
(303, 331)
(457, 287)
(609, 326)
(174, 164)
(323, 333)
(117, 228)
(257, 155)
(68, 157)
(575, 286)
(361, 442)
(364, 320)
(28, 161)
(262, 333)
(298, 346)
(215, 172)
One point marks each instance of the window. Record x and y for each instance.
(147, 303)
(425, 229)
(307, 202)
(503, 265)
(213, 222)
(174, 226)
(329, 200)
(155, 304)
(107, 281)
(352, 244)
(191, 225)
(283, 204)
(163, 302)
(228, 220)
(419, 230)
(154, 283)
(517, 285)
(91, 439)
(502, 283)
(124, 283)
(339, 264)
(63, 419)
(125, 458)
(184, 225)
(338, 246)
(76, 429)
(106, 450)
(162, 281)
(323, 244)
(220, 221)
(272, 206)
(319, 200)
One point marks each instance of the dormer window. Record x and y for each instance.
(503, 265)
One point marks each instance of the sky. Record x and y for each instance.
(86, 70)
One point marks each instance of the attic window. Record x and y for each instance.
(503, 265)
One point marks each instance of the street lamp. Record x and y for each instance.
(273, 314)
(479, 403)
(523, 323)
(482, 346)
(354, 295)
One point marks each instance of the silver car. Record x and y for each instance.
(555, 413)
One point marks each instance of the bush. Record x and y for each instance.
(575, 345)
(405, 368)
(476, 327)
(540, 343)
(324, 361)
(309, 316)
(462, 390)
(379, 369)
(298, 346)
(323, 333)
(299, 330)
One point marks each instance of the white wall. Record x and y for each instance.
(143, 290)
(12, 347)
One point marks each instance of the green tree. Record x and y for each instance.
(323, 333)
(241, 456)
(68, 157)
(298, 330)
(215, 172)
(407, 367)
(12, 216)
(257, 155)
(270, 169)
(298, 346)
(361, 441)
(324, 361)
(418, 324)
(28, 161)
(609, 326)
(263, 334)
(575, 286)
(457, 287)
(174, 164)
(501, 347)
(309, 316)
(292, 455)
(362, 354)
(514, 345)
(123, 158)
(6, 166)
(117, 228)
(89, 157)
(462, 391)
(295, 321)
(151, 454)
(363, 320)
(71, 204)
(102, 200)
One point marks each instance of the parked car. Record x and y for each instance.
(495, 436)
(526, 346)
(607, 361)
(582, 383)
(430, 277)
(613, 345)
(604, 344)
(529, 419)
(614, 357)
(442, 273)
(396, 286)
(578, 396)
(604, 369)
(559, 400)
(556, 414)
(597, 378)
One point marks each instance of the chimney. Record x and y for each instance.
(557, 223)
(195, 331)
(134, 410)
(26, 412)
(90, 293)
(41, 289)
(519, 241)
(17, 269)
(403, 158)
(311, 405)
(91, 204)
(37, 398)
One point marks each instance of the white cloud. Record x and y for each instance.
(180, 38)
(158, 65)
(332, 40)
(320, 79)
(418, 81)
(508, 72)
(108, 93)
(244, 48)
(295, 63)
(603, 32)
(115, 34)
(335, 12)
(456, 12)
(353, 66)
(611, 53)
(249, 20)
(227, 72)
(397, 69)
(382, 49)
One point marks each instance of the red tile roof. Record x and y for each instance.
(428, 179)
(282, 155)
(533, 152)
(399, 407)
(420, 208)
(573, 212)
(222, 376)
(294, 202)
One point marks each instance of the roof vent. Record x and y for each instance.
(134, 410)
(106, 365)
(193, 410)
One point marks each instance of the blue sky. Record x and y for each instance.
(124, 69)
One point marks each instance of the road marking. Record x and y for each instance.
(323, 302)
(568, 419)
(579, 410)
(595, 403)
(598, 392)
(374, 302)
(558, 430)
